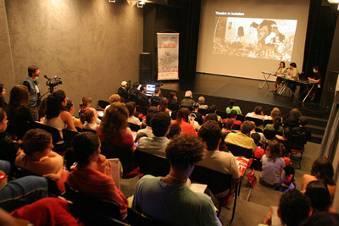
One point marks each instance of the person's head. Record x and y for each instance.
(174, 131)
(3, 120)
(150, 112)
(319, 195)
(60, 95)
(322, 169)
(258, 110)
(228, 123)
(53, 107)
(293, 65)
(189, 94)
(322, 219)
(256, 137)
(212, 108)
(88, 115)
(160, 124)
(211, 117)
(282, 64)
(294, 115)
(172, 95)
(18, 96)
(37, 143)
(274, 149)
(114, 98)
(33, 71)
(247, 127)
(131, 107)
(275, 113)
(114, 120)
(183, 152)
(124, 84)
(163, 104)
(294, 207)
(277, 123)
(86, 101)
(201, 100)
(2, 90)
(69, 106)
(210, 133)
(86, 148)
(183, 114)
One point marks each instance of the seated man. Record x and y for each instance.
(242, 138)
(169, 199)
(157, 144)
(223, 162)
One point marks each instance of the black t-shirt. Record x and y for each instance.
(19, 120)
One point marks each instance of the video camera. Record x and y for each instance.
(52, 82)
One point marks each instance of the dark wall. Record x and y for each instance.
(176, 16)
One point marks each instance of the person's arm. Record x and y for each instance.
(66, 117)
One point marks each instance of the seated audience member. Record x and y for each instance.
(196, 116)
(123, 91)
(232, 107)
(294, 208)
(258, 113)
(202, 103)
(322, 218)
(155, 100)
(164, 106)
(3, 103)
(37, 157)
(47, 211)
(18, 113)
(131, 107)
(70, 108)
(147, 131)
(272, 165)
(92, 174)
(319, 195)
(322, 170)
(274, 114)
(213, 110)
(8, 148)
(157, 144)
(223, 162)
(259, 151)
(173, 102)
(276, 126)
(293, 118)
(174, 131)
(89, 119)
(85, 103)
(17, 192)
(65, 116)
(166, 199)
(183, 121)
(187, 101)
(114, 98)
(227, 125)
(242, 138)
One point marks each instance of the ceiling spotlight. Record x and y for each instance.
(333, 1)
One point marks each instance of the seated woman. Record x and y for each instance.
(258, 113)
(292, 74)
(276, 126)
(183, 122)
(3, 103)
(89, 118)
(19, 115)
(281, 71)
(116, 137)
(70, 108)
(319, 196)
(272, 165)
(93, 172)
(322, 170)
(232, 107)
(8, 148)
(131, 107)
(37, 157)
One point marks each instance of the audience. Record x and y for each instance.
(85, 102)
(37, 157)
(157, 144)
(147, 131)
(232, 107)
(258, 113)
(242, 138)
(220, 161)
(131, 107)
(89, 119)
(319, 196)
(92, 174)
(19, 115)
(202, 103)
(276, 126)
(187, 101)
(183, 122)
(173, 102)
(3, 103)
(169, 199)
(322, 170)
(8, 148)
(70, 108)
(322, 218)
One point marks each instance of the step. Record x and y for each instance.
(316, 138)
(316, 121)
(316, 129)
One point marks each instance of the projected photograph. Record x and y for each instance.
(255, 37)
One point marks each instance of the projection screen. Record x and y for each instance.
(243, 38)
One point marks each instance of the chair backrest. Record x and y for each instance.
(151, 164)
(217, 182)
(257, 121)
(239, 151)
(133, 127)
(68, 136)
(267, 121)
(103, 104)
(55, 133)
(269, 134)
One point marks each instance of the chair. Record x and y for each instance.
(133, 127)
(93, 211)
(68, 136)
(151, 164)
(240, 151)
(258, 122)
(102, 104)
(216, 182)
(267, 121)
(269, 134)
(55, 133)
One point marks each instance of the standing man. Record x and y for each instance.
(31, 82)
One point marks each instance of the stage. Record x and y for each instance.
(218, 89)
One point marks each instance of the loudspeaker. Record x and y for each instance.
(145, 68)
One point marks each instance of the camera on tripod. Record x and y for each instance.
(53, 82)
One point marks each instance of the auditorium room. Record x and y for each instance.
(169, 112)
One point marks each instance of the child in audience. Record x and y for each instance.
(89, 119)
(259, 151)
(86, 102)
(272, 165)
(319, 195)
(288, 181)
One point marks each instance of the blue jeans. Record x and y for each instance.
(5, 166)
(23, 191)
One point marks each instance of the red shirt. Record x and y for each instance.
(187, 129)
